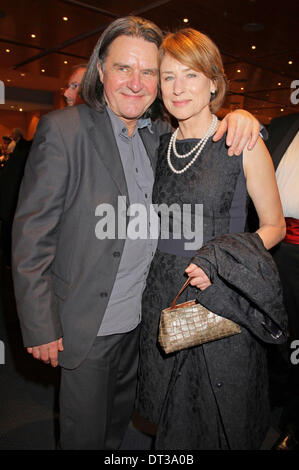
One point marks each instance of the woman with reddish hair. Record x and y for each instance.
(212, 396)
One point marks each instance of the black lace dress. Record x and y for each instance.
(217, 181)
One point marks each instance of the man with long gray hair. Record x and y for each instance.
(78, 296)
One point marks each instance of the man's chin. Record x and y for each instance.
(135, 114)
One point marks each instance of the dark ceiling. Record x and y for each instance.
(258, 40)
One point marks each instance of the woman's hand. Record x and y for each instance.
(198, 277)
(242, 130)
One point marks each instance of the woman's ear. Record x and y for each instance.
(213, 88)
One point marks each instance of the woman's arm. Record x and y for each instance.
(242, 128)
(262, 188)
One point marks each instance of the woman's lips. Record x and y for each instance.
(180, 103)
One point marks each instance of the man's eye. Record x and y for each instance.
(150, 73)
(167, 79)
(72, 86)
(191, 75)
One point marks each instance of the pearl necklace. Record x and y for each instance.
(199, 147)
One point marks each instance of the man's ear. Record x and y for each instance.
(100, 70)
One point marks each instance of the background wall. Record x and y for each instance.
(27, 121)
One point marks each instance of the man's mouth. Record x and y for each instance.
(126, 95)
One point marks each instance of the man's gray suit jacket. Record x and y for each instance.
(63, 274)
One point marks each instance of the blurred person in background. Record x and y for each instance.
(71, 93)
(4, 146)
(10, 181)
(283, 145)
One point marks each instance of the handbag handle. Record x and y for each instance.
(173, 305)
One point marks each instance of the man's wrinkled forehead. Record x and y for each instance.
(124, 39)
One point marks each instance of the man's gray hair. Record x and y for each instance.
(91, 87)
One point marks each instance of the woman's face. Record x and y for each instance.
(185, 92)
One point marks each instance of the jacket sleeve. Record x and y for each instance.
(35, 234)
(245, 285)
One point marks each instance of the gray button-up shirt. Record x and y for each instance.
(123, 312)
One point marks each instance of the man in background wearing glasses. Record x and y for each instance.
(72, 89)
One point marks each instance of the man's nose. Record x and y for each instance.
(67, 92)
(135, 82)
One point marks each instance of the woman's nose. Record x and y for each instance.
(178, 86)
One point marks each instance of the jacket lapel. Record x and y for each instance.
(150, 142)
(102, 137)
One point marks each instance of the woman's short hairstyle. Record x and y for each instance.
(198, 52)
(92, 88)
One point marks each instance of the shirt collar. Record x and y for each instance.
(120, 127)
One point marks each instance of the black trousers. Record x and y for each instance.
(97, 398)
(286, 257)
(284, 375)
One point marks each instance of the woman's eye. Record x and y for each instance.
(167, 79)
(191, 75)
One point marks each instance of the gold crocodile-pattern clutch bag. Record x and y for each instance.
(190, 324)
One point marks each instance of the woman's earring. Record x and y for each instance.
(213, 95)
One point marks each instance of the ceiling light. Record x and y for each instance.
(8, 80)
(281, 109)
(279, 83)
(65, 61)
(238, 70)
(65, 18)
(185, 20)
(33, 36)
(43, 70)
(253, 47)
(22, 74)
(290, 62)
(20, 109)
(242, 88)
(7, 50)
